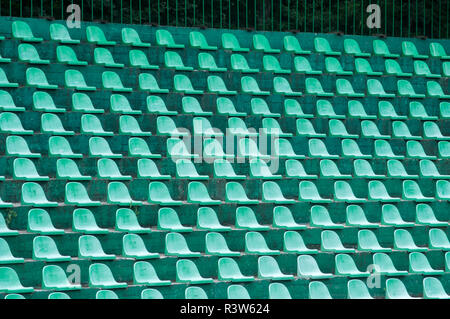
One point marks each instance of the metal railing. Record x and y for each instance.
(403, 18)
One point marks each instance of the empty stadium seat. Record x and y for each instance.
(101, 276)
(89, 247)
(134, 247)
(230, 42)
(307, 267)
(39, 221)
(292, 45)
(138, 59)
(54, 278)
(239, 63)
(126, 221)
(256, 244)
(188, 272)
(260, 43)
(164, 38)
(207, 62)
(268, 268)
(144, 273)
(131, 37)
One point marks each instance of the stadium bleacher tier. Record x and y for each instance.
(97, 171)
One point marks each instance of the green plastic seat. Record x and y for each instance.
(246, 219)
(411, 191)
(76, 194)
(384, 265)
(131, 37)
(7, 103)
(438, 239)
(259, 169)
(101, 276)
(134, 247)
(192, 106)
(103, 57)
(401, 130)
(421, 69)
(321, 45)
(45, 249)
(182, 84)
(55, 278)
(228, 270)
(24, 169)
(317, 148)
(217, 85)
(330, 241)
(370, 130)
(126, 221)
(445, 69)
(147, 169)
(387, 110)
(391, 216)
(293, 108)
(256, 244)
(344, 193)
(308, 193)
(172, 60)
(155, 104)
(362, 66)
(295, 169)
(226, 107)
(58, 295)
(176, 148)
(431, 131)
(282, 86)
(106, 294)
(395, 289)
(329, 169)
(10, 282)
(259, 107)
(164, 38)
(4, 60)
(282, 218)
(306, 128)
(333, 66)
(380, 48)
(443, 190)
(237, 126)
(43, 102)
(81, 102)
(294, 243)
(351, 149)
(314, 87)
(84, 222)
(395, 169)
(207, 220)
(213, 149)
(121, 105)
(433, 289)
(206, 62)
(95, 35)
(168, 220)
(438, 51)
(198, 40)
(409, 50)
(5, 205)
(151, 293)
(203, 127)
(118, 194)
(356, 110)
(426, 216)
(74, 79)
(283, 149)
(434, 89)
(111, 81)
(39, 221)
(22, 31)
(302, 65)
(59, 146)
(224, 169)
(368, 241)
(393, 68)
(198, 193)
(59, 33)
(351, 47)
(239, 63)
(27, 53)
(417, 111)
(166, 126)
(375, 88)
(378, 192)
(250, 86)
(159, 194)
(237, 292)
(444, 149)
(444, 108)
(138, 59)
(195, 293)
(415, 150)
(291, 44)
(187, 272)
(33, 195)
(271, 64)
(404, 241)
(6, 256)
(144, 273)
(363, 169)
(186, 169)
(320, 217)
(4, 82)
(337, 128)
(318, 290)
(4, 229)
(129, 125)
(89, 247)
(99, 147)
(248, 148)
(10, 123)
(147, 82)
(357, 289)
(419, 264)
(261, 43)
(345, 266)
(268, 268)
(215, 244)
(230, 42)
(307, 267)
(51, 124)
(406, 89)
(235, 193)
(66, 55)
(345, 88)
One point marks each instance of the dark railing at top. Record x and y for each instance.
(402, 18)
